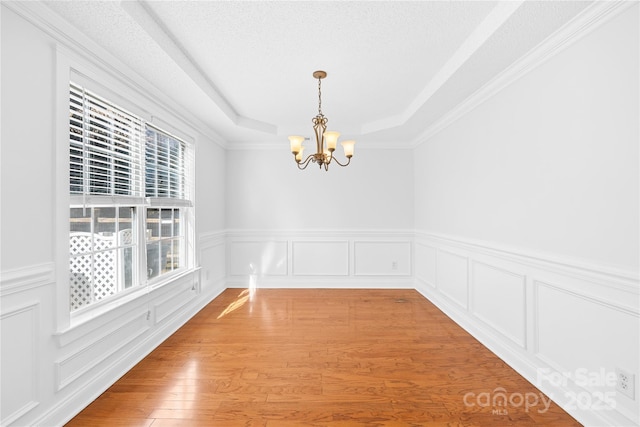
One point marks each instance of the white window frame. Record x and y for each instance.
(72, 67)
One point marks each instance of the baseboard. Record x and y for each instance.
(286, 282)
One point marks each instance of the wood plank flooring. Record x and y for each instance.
(320, 357)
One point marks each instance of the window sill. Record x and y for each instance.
(83, 320)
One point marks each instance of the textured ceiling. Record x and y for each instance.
(245, 68)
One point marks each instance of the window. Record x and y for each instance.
(165, 241)
(166, 186)
(126, 228)
(165, 159)
(103, 254)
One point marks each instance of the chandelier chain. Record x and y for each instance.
(320, 97)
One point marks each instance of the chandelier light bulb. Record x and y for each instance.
(296, 143)
(348, 147)
(331, 139)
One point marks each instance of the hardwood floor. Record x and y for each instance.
(318, 357)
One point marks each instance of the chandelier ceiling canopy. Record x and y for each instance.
(326, 141)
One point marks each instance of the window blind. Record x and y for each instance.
(167, 163)
(105, 147)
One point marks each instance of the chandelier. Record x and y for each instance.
(326, 141)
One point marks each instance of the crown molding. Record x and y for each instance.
(584, 23)
(498, 16)
(142, 13)
(284, 145)
(151, 24)
(76, 42)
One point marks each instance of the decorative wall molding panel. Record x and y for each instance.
(19, 331)
(95, 355)
(425, 264)
(524, 309)
(264, 258)
(319, 258)
(597, 331)
(452, 276)
(182, 294)
(372, 258)
(212, 259)
(493, 286)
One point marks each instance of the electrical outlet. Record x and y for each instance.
(626, 383)
(394, 265)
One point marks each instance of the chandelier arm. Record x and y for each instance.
(305, 162)
(343, 165)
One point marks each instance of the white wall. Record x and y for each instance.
(26, 146)
(267, 191)
(52, 367)
(210, 186)
(210, 213)
(343, 227)
(549, 164)
(526, 210)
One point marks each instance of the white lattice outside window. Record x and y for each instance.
(103, 253)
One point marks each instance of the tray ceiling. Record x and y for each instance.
(245, 68)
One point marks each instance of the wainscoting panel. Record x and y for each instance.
(264, 258)
(498, 299)
(573, 330)
(19, 355)
(48, 375)
(181, 295)
(212, 259)
(320, 258)
(578, 334)
(93, 354)
(564, 325)
(425, 264)
(452, 276)
(382, 258)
